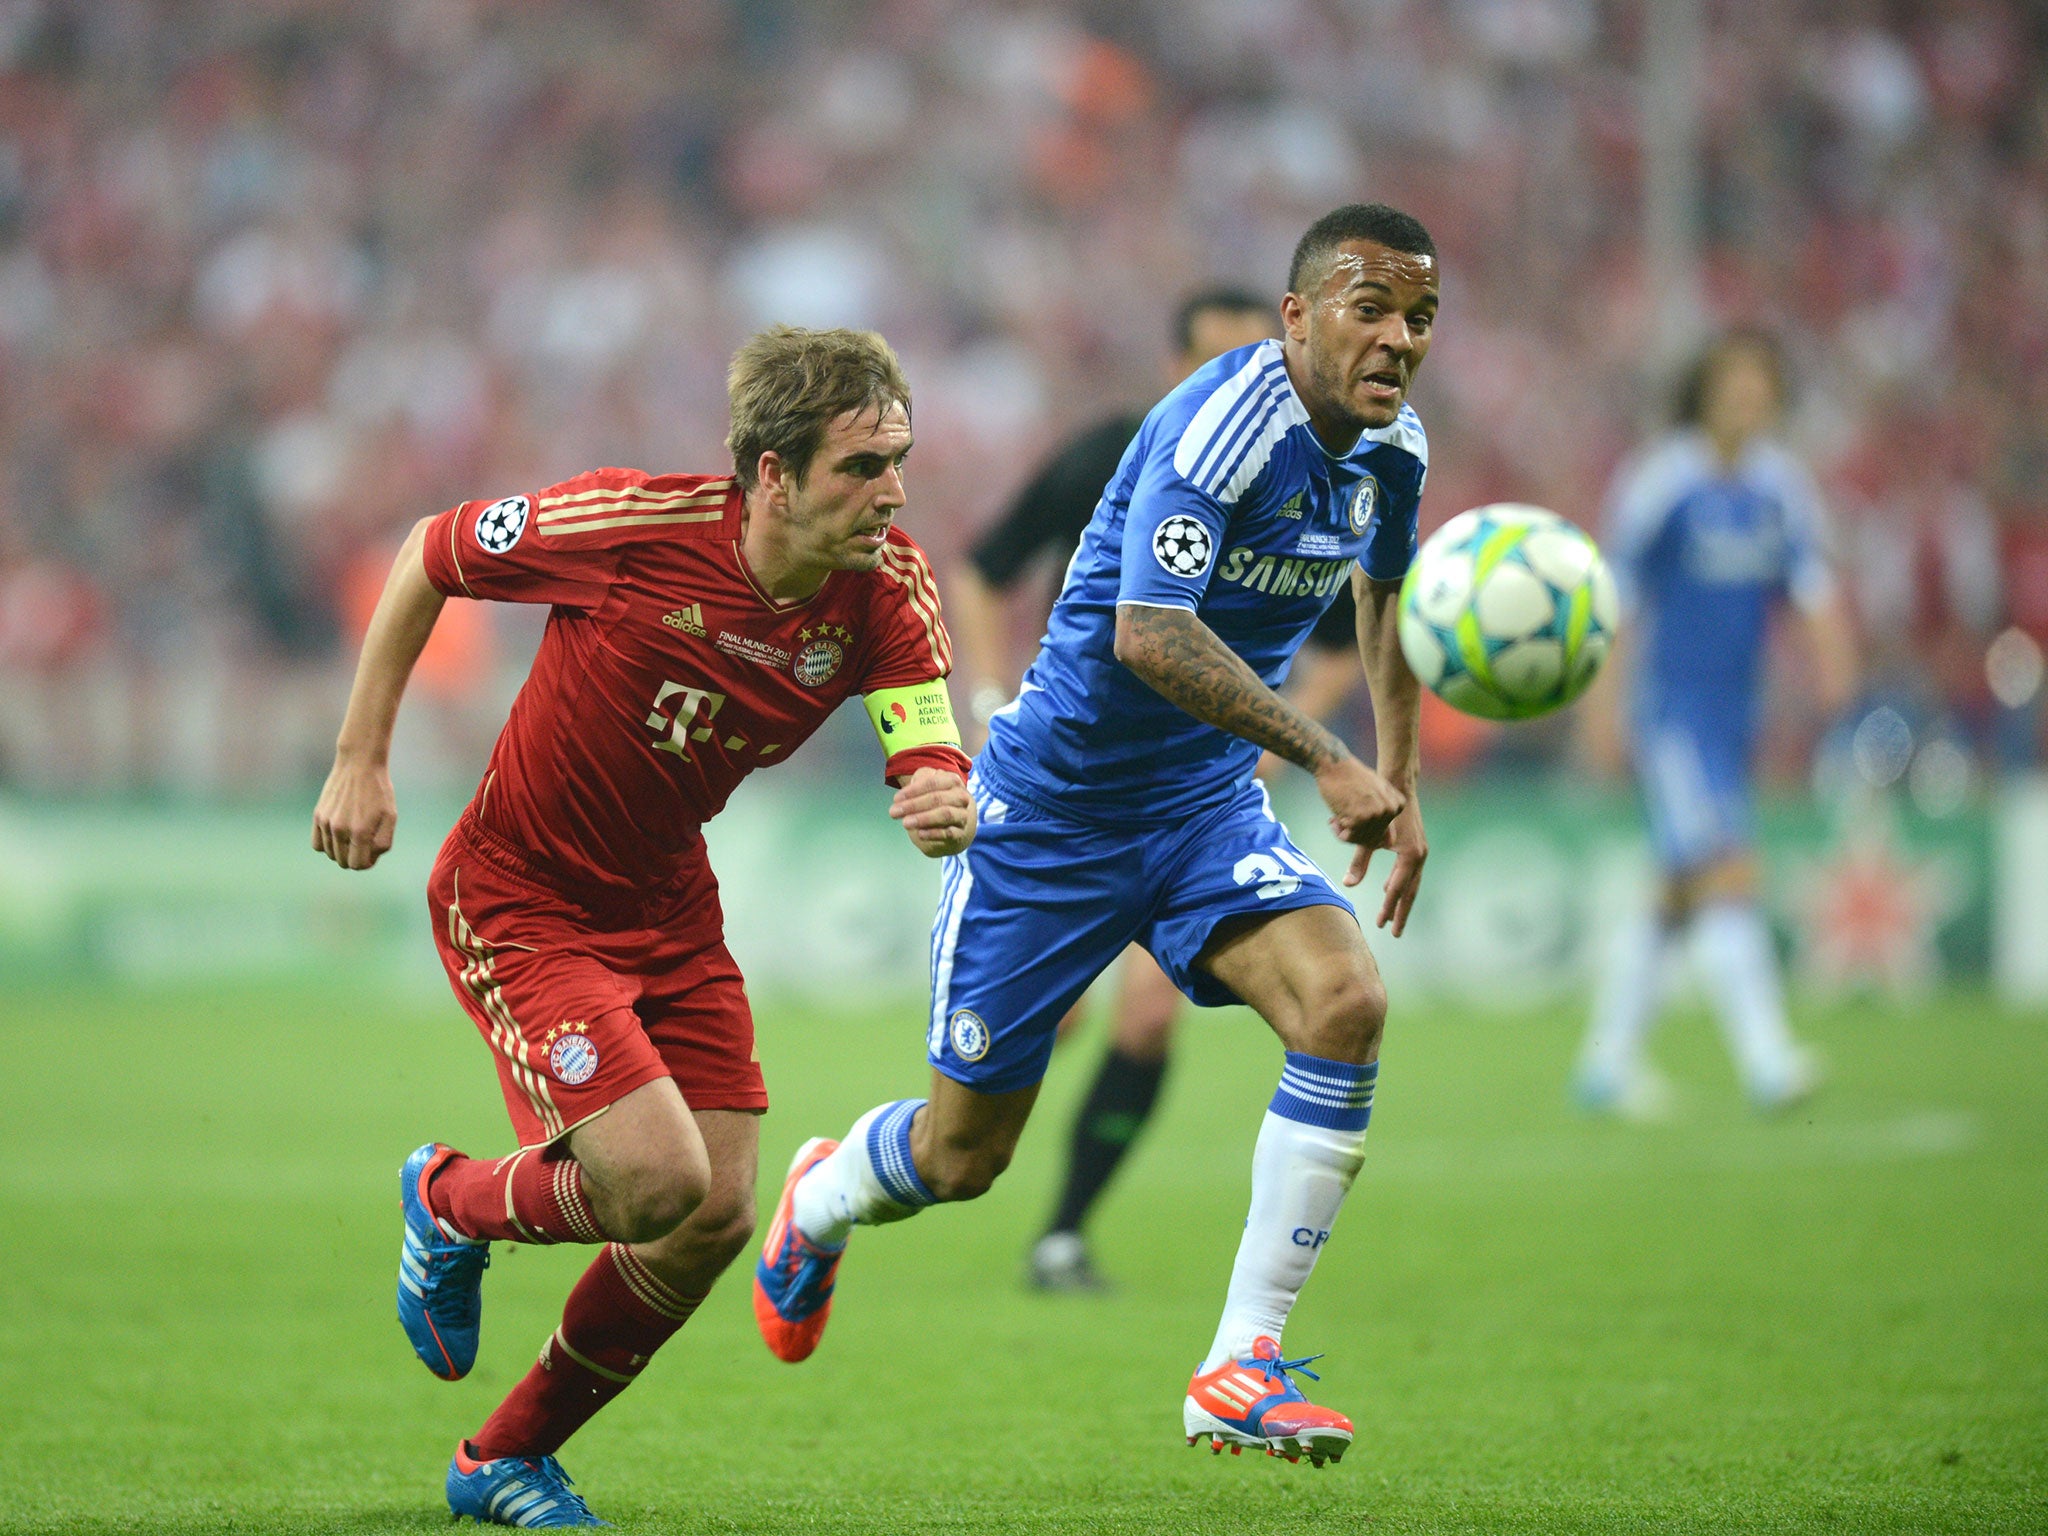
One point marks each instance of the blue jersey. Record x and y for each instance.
(1226, 503)
(1702, 553)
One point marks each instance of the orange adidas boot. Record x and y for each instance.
(1253, 1402)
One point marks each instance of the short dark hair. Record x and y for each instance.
(1230, 300)
(1390, 227)
(1689, 399)
(788, 385)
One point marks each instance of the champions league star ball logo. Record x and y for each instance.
(499, 525)
(1365, 501)
(970, 1035)
(1183, 546)
(573, 1059)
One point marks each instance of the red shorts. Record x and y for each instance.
(586, 996)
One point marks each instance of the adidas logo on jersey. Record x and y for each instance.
(1291, 507)
(689, 620)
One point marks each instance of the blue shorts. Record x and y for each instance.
(1698, 791)
(1040, 905)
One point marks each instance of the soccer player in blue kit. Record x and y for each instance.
(1117, 804)
(1709, 530)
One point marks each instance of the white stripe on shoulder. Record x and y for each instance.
(1404, 432)
(1229, 439)
(1284, 419)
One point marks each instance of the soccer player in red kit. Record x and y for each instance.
(700, 626)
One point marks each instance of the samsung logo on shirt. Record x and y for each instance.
(1280, 575)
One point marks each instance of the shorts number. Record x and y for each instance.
(1270, 870)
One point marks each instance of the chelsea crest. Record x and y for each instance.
(1365, 501)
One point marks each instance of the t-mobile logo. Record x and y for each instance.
(675, 713)
(683, 714)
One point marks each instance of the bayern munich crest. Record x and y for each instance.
(573, 1059)
(822, 654)
(1365, 501)
(970, 1035)
(816, 662)
(499, 525)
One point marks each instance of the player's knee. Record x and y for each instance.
(656, 1199)
(723, 1225)
(964, 1173)
(1346, 1015)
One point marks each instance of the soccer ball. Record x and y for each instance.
(1507, 612)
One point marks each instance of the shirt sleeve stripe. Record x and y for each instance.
(1256, 455)
(1212, 425)
(1222, 458)
(1139, 602)
(914, 576)
(924, 595)
(1216, 426)
(455, 546)
(642, 520)
(1244, 434)
(629, 504)
(706, 490)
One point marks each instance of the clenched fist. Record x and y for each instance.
(936, 811)
(356, 816)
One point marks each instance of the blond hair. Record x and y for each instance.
(788, 385)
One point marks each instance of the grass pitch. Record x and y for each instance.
(1837, 1321)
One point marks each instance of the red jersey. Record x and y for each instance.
(666, 675)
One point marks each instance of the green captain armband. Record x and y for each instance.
(918, 716)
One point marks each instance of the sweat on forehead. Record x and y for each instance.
(1355, 224)
(1359, 262)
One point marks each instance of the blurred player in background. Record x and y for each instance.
(1047, 518)
(1118, 804)
(701, 626)
(1708, 530)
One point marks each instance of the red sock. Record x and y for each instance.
(523, 1198)
(618, 1315)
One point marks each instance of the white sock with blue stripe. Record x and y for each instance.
(1309, 1150)
(869, 1180)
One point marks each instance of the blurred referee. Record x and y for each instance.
(1046, 519)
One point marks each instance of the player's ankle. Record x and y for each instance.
(433, 1192)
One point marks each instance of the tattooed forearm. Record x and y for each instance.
(1179, 656)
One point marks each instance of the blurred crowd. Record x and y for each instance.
(276, 280)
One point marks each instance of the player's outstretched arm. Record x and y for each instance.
(1179, 656)
(357, 812)
(1397, 716)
